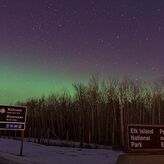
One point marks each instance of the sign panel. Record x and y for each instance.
(12, 117)
(145, 137)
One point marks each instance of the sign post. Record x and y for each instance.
(22, 138)
(13, 118)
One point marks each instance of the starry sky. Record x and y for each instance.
(47, 45)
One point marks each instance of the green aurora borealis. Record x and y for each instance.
(19, 85)
(47, 45)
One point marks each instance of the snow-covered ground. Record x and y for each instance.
(41, 154)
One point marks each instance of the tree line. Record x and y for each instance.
(97, 113)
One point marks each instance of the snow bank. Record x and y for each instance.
(41, 154)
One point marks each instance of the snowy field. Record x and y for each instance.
(41, 154)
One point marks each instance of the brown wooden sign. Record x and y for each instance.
(145, 137)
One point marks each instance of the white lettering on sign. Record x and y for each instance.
(162, 144)
(141, 138)
(161, 131)
(146, 131)
(136, 145)
(162, 138)
(146, 137)
(14, 110)
(14, 117)
(133, 131)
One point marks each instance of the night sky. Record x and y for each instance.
(46, 45)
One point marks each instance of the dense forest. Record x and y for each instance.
(98, 112)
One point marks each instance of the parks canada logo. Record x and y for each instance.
(2, 111)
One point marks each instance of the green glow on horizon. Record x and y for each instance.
(20, 84)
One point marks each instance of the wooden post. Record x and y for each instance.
(22, 138)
